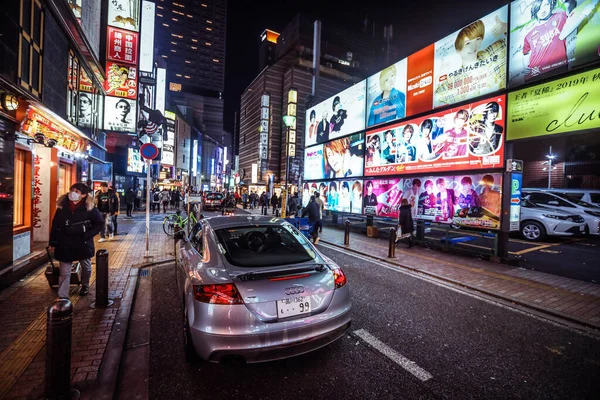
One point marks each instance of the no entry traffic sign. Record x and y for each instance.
(149, 151)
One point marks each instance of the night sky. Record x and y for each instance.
(417, 23)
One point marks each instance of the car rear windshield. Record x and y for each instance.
(264, 246)
(214, 196)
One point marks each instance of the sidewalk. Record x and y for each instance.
(95, 354)
(566, 298)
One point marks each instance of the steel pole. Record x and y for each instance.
(347, 233)
(392, 244)
(148, 184)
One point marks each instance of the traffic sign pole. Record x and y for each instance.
(148, 184)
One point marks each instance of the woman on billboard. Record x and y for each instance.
(389, 152)
(356, 202)
(390, 104)
(444, 200)
(374, 150)
(339, 160)
(456, 138)
(312, 129)
(406, 151)
(333, 199)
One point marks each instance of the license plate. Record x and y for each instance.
(293, 306)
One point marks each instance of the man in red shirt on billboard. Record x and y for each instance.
(542, 49)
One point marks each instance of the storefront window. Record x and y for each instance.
(64, 178)
(19, 189)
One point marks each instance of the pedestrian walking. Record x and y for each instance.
(321, 207)
(155, 200)
(176, 198)
(164, 199)
(293, 205)
(274, 202)
(313, 210)
(74, 226)
(106, 203)
(245, 200)
(405, 223)
(138, 198)
(129, 202)
(264, 205)
(117, 211)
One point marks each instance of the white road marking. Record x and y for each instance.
(393, 355)
(455, 288)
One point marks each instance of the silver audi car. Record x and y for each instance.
(255, 289)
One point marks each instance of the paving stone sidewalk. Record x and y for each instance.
(23, 315)
(567, 298)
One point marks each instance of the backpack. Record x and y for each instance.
(156, 197)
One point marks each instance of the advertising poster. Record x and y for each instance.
(467, 137)
(122, 46)
(343, 196)
(339, 158)
(124, 14)
(84, 112)
(466, 200)
(419, 94)
(386, 94)
(563, 105)
(472, 62)
(337, 116)
(121, 80)
(551, 36)
(135, 162)
(382, 197)
(119, 114)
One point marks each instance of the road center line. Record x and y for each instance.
(393, 355)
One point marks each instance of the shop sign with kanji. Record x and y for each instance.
(122, 46)
(121, 80)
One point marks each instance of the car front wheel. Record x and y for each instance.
(533, 231)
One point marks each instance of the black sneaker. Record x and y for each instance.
(84, 290)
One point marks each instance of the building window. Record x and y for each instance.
(72, 88)
(31, 45)
(19, 189)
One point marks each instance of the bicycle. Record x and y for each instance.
(175, 222)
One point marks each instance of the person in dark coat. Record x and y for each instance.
(313, 210)
(74, 226)
(274, 202)
(130, 201)
(405, 221)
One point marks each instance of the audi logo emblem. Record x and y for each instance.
(294, 290)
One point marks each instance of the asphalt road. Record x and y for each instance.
(456, 345)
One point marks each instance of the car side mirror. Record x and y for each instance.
(553, 203)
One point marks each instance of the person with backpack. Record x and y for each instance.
(74, 226)
(156, 200)
(129, 202)
(107, 204)
(165, 196)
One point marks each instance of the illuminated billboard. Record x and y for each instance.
(119, 114)
(337, 116)
(124, 14)
(135, 163)
(121, 80)
(462, 138)
(552, 36)
(339, 158)
(340, 196)
(471, 62)
(122, 46)
(386, 94)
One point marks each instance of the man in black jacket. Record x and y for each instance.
(107, 205)
(74, 226)
(313, 210)
(130, 201)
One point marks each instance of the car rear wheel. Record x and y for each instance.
(533, 231)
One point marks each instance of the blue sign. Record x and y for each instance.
(149, 151)
(515, 200)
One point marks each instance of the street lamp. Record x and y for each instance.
(551, 157)
(290, 122)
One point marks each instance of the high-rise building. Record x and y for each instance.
(190, 36)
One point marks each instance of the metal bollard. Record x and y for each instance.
(59, 331)
(392, 245)
(347, 233)
(101, 280)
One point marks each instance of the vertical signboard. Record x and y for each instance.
(147, 37)
(168, 151)
(122, 46)
(161, 80)
(124, 14)
(121, 80)
(515, 201)
(263, 138)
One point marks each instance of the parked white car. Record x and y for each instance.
(589, 212)
(537, 222)
(591, 196)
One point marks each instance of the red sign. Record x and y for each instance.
(462, 138)
(122, 46)
(121, 80)
(419, 91)
(85, 83)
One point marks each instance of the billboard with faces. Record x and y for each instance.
(552, 36)
(470, 200)
(339, 158)
(386, 94)
(338, 116)
(471, 62)
(343, 196)
(466, 137)
(119, 114)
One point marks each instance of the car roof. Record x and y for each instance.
(242, 221)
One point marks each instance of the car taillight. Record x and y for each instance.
(225, 293)
(339, 278)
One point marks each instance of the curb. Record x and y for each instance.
(110, 369)
(529, 306)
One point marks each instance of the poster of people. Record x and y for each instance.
(84, 112)
(472, 62)
(124, 14)
(337, 116)
(121, 80)
(551, 36)
(386, 94)
(466, 137)
(339, 196)
(464, 200)
(119, 114)
(340, 158)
